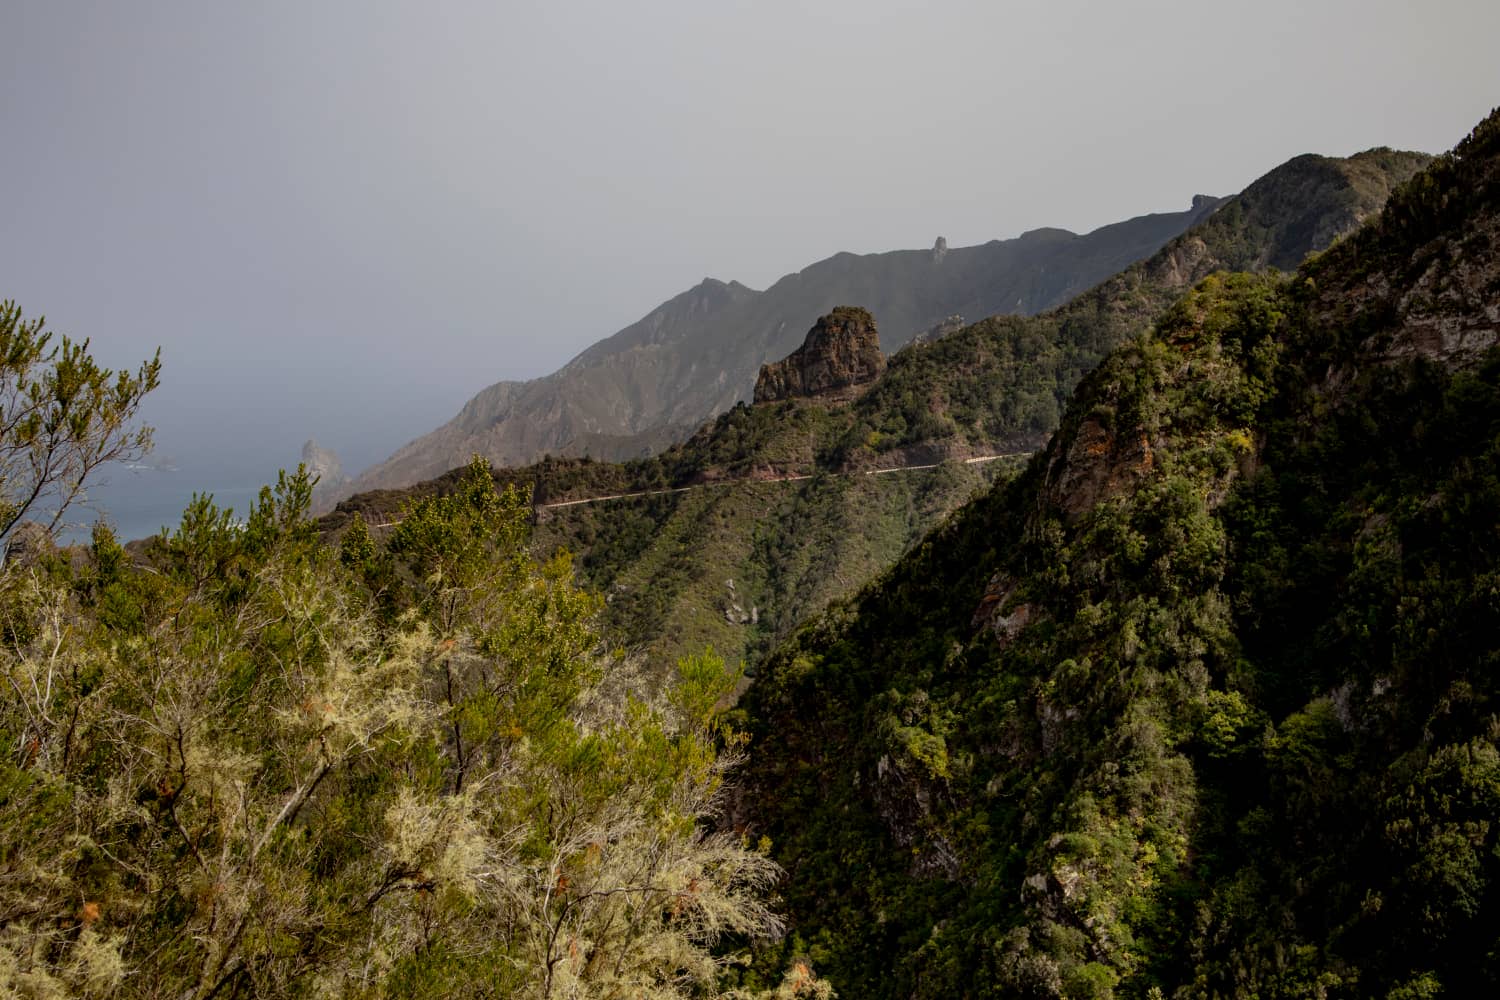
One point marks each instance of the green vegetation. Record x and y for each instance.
(1002, 383)
(667, 562)
(1203, 703)
(737, 563)
(61, 417)
(254, 766)
(1199, 703)
(739, 566)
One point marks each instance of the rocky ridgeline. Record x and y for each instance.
(842, 352)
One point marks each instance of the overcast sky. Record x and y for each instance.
(341, 220)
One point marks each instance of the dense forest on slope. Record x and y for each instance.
(1204, 702)
(740, 565)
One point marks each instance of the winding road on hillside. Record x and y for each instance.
(977, 460)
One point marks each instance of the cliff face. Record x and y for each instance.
(841, 353)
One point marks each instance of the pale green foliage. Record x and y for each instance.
(256, 770)
(799, 983)
(94, 969)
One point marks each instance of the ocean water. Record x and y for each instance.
(139, 503)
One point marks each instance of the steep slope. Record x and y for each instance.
(1204, 703)
(791, 545)
(698, 354)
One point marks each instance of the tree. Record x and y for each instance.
(61, 417)
(243, 773)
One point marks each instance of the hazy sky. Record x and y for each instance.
(342, 219)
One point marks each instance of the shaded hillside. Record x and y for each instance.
(698, 354)
(1203, 704)
(992, 388)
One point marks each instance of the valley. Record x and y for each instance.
(1108, 612)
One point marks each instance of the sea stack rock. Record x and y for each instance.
(841, 353)
(323, 464)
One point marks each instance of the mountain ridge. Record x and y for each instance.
(792, 519)
(1202, 703)
(698, 353)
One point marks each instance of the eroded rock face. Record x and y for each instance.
(1450, 313)
(1096, 465)
(999, 610)
(842, 352)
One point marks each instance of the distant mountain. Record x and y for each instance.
(698, 354)
(741, 560)
(1203, 704)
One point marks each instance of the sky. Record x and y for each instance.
(341, 219)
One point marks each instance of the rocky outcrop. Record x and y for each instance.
(842, 352)
(327, 472)
(999, 610)
(1096, 464)
(323, 464)
(734, 612)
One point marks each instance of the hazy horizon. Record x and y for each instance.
(340, 221)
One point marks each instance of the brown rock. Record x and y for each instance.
(1098, 465)
(997, 609)
(842, 351)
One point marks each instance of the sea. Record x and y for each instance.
(141, 501)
